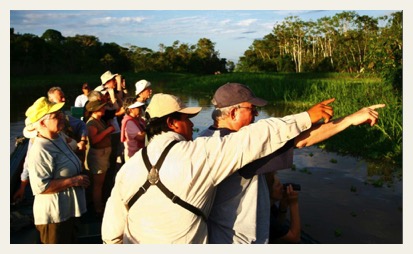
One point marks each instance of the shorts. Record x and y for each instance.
(97, 160)
(64, 232)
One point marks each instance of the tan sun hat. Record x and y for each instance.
(164, 104)
(106, 77)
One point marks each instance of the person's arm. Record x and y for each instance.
(19, 194)
(291, 202)
(322, 131)
(95, 137)
(57, 185)
(114, 217)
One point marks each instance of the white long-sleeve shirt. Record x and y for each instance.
(191, 170)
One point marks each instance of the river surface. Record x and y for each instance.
(337, 202)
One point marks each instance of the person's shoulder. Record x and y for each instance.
(208, 132)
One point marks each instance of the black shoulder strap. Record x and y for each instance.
(148, 165)
(153, 179)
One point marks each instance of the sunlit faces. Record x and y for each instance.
(183, 126)
(145, 94)
(55, 121)
(57, 96)
(111, 84)
(245, 114)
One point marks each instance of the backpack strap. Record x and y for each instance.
(153, 179)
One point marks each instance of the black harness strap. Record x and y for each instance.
(153, 179)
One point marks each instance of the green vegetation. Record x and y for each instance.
(295, 92)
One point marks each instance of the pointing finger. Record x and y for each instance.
(377, 106)
(328, 101)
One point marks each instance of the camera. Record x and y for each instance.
(295, 186)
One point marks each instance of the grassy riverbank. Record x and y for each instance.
(297, 92)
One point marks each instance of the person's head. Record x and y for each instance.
(167, 112)
(143, 90)
(132, 107)
(44, 117)
(56, 95)
(276, 189)
(108, 80)
(96, 108)
(94, 96)
(85, 89)
(235, 106)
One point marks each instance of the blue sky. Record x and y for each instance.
(231, 31)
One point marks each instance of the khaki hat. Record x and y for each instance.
(141, 85)
(106, 77)
(40, 108)
(101, 89)
(234, 93)
(164, 104)
(93, 106)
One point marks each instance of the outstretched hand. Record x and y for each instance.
(321, 110)
(367, 115)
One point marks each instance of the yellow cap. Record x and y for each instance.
(42, 107)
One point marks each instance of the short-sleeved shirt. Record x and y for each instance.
(49, 160)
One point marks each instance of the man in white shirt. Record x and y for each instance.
(191, 170)
(82, 99)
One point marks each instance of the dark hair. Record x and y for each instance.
(158, 125)
(127, 102)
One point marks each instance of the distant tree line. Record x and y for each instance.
(54, 53)
(346, 42)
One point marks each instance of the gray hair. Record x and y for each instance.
(94, 96)
(221, 113)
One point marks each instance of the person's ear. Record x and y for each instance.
(233, 113)
(171, 123)
(41, 123)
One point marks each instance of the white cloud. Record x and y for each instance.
(246, 22)
(115, 20)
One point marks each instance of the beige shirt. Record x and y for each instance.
(191, 171)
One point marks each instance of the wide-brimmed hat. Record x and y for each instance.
(141, 85)
(35, 112)
(42, 107)
(106, 77)
(101, 89)
(164, 104)
(93, 106)
(29, 130)
(137, 104)
(234, 93)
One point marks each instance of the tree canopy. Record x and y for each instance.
(346, 42)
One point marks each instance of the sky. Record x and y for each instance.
(232, 31)
(233, 28)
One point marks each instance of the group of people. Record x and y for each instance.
(91, 139)
(221, 187)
